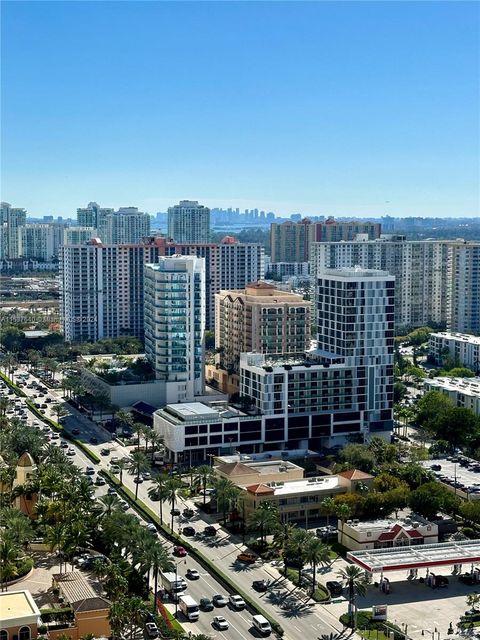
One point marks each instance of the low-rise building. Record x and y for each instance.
(297, 499)
(246, 473)
(91, 610)
(387, 533)
(19, 616)
(463, 349)
(463, 392)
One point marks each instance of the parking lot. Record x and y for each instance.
(459, 473)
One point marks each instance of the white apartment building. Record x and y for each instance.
(78, 235)
(462, 348)
(286, 270)
(11, 219)
(174, 308)
(128, 225)
(463, 392)
(388, 533)
(435, 280)
(189, 221)
(102, 289)
(41, 241)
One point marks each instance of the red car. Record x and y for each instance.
(180, 552)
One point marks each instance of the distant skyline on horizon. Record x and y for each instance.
(350, 109)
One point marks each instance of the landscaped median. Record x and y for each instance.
(51, 423)
(148, 514)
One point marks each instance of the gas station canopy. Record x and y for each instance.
(417, 556)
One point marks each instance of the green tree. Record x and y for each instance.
(172, 486)
(327, 508)
(432, 498)
(265, 519)
(160, 491)
(138, 464)
(343, 511)
(226, 494)
(316, 553)
(202, 476)
(354, 579)
(296, 548)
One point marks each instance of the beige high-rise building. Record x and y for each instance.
(262, 319)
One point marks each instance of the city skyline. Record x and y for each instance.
(286, 107)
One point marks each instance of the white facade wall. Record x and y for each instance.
(461, 347)
(189, 222)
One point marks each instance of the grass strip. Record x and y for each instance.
(148, 514)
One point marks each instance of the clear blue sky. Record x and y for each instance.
(310, 107)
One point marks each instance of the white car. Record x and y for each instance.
(220, 623)
(237, 602)
(71, 452)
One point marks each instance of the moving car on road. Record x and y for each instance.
(237, 602)
(219, 600)
(220, 623)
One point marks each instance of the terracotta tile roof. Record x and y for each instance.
(355, 474)
(260, 489)
(91, 604)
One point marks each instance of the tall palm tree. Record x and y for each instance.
(265, 520)
(55, 538)
(316, 553)
(327, 507)
(138, 428)
(202, 475)
(355, 581)
(156, 442)
(5, 404)
(160, 491)
(160, 561)
(343, 511)
(9, 552)
(60, 411)
(138, 464)
(122, 464)
(296, 547)
(172, 485)
(226, 494)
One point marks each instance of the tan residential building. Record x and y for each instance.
(388, 533)
(19, 616)
(261, 319)
(246, 473)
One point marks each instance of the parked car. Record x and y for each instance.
(105, 451)
(100, 482)
(260, 585)
(335, 587)
(138, 479)
(467, 578)
(247, 556)
(210, 531)
(179, 551)
(89, 471)
(188, 513)
(151, 528)
(146, 475)
(63, 444)
(188, 531)
(93, 440)
(71, 451)
(151, 629)
(175, 512)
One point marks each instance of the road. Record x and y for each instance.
(291, 607)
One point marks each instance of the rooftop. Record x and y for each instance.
(308, 485)
(74, 586)
(470, 386)
(355, 474)
(460, 337)
(426, 555)
(196, 412)
(356, 272)
(17, 604)
(261, 468)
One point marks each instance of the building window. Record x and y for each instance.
(3, 634)
(24, 633)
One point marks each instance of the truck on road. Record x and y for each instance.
(173, 583)
(189, 608)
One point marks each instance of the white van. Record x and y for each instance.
(262, 625)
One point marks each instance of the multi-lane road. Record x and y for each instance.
(297, 614)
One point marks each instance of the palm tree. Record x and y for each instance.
(226, 494)
(110, 503)
(354, 579)
(202, 476)
(316, 553)
(124, 417)
(138, 464)
(55, 538)
(122, 464)
(160, 491)
(160, 560)
(9, 551)
(343, 511)
(172, 485)
(5, 404)
(327, 507)
(264, 519)
(296, 548)
(60, 411)
(156, 442)
(138, 428)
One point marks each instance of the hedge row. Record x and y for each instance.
(62, 615)
(51, 423)
(148, 514)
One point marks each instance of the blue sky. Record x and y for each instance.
(344, 108)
